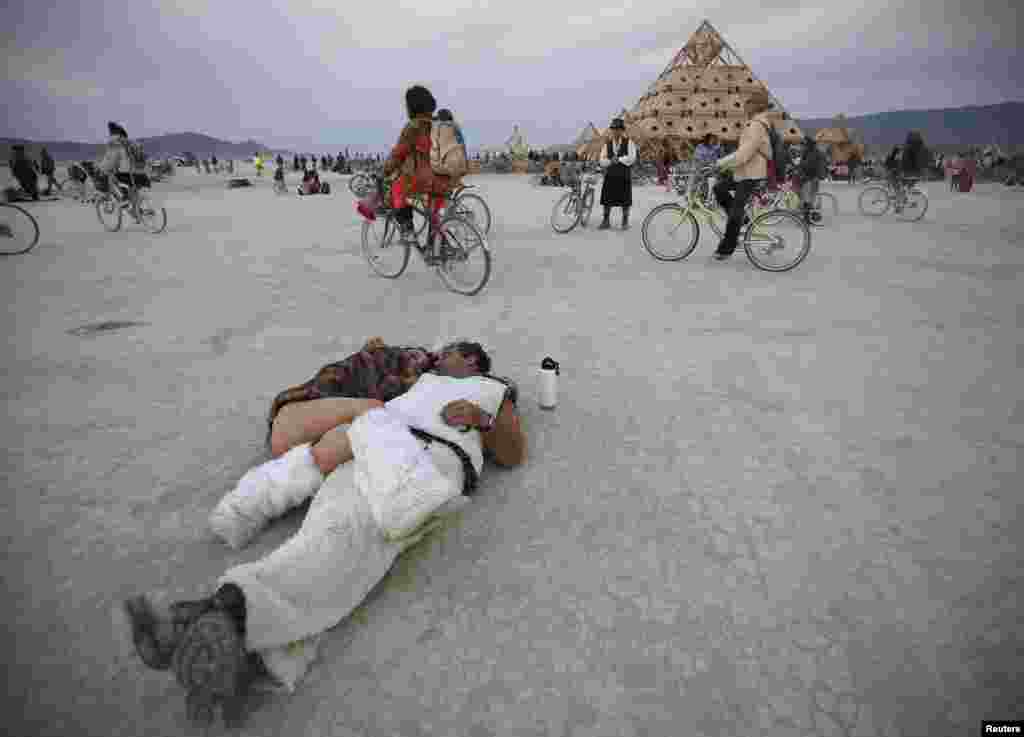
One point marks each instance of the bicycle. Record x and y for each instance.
(80, 184)
(471, 206)
(19, 231)
(766, 229)
(903, 195)
(451, 243)
(467, 205)
(111, 205)
(788, 197)
(576, 204)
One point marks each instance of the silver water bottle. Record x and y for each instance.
(549, 371)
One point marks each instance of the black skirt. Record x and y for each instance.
(617, 190)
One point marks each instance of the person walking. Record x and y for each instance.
(46, 168)
(812, 168)
(24, 171)
(750, 161)
(617, 156)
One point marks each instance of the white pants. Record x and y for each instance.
(323, 572)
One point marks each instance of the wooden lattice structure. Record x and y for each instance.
(703, 90)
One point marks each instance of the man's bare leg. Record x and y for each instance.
(333, 449)
(307, 422)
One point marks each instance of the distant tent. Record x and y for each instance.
(703, 90)
(588, 134)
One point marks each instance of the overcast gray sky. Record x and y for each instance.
(322, 73)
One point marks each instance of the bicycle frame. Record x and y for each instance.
(717, 219)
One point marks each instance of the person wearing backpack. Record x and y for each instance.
(750, 162)
(448, 158)
(409, 161)
(125, 159)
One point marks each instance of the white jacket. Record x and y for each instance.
(395, 473)
(629, 159)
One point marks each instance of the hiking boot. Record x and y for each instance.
(212, 666)
(157, 630)
(605, 225)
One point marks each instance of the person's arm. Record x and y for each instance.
(401, 150)
(506, 439)
(605, 161)
(630, 158)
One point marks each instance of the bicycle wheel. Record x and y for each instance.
(669, 232)
(109, 212)
(383, 249)
(72, 189)
(360, 185)
(826, 201)
(19, 231)
(788, 201)
(913, 207)
(473, 208)
(777, 240)
(153, 218)
(588, 207)
(873, 201)
(565, 215)
(466, 258)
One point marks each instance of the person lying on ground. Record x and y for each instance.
(376, 490)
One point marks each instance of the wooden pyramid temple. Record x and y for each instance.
(703, 90)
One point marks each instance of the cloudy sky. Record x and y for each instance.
(318, 74)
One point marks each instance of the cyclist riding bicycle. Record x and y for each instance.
(410, 161)
(118, 160)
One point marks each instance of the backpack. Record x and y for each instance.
(136, 154)
(778, 164)
(447, 152)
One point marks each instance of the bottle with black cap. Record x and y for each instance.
(549, 372)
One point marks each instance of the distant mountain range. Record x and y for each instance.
(965, 126)
(948, 127)
(171, 144)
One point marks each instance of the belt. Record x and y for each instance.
(469, 474)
